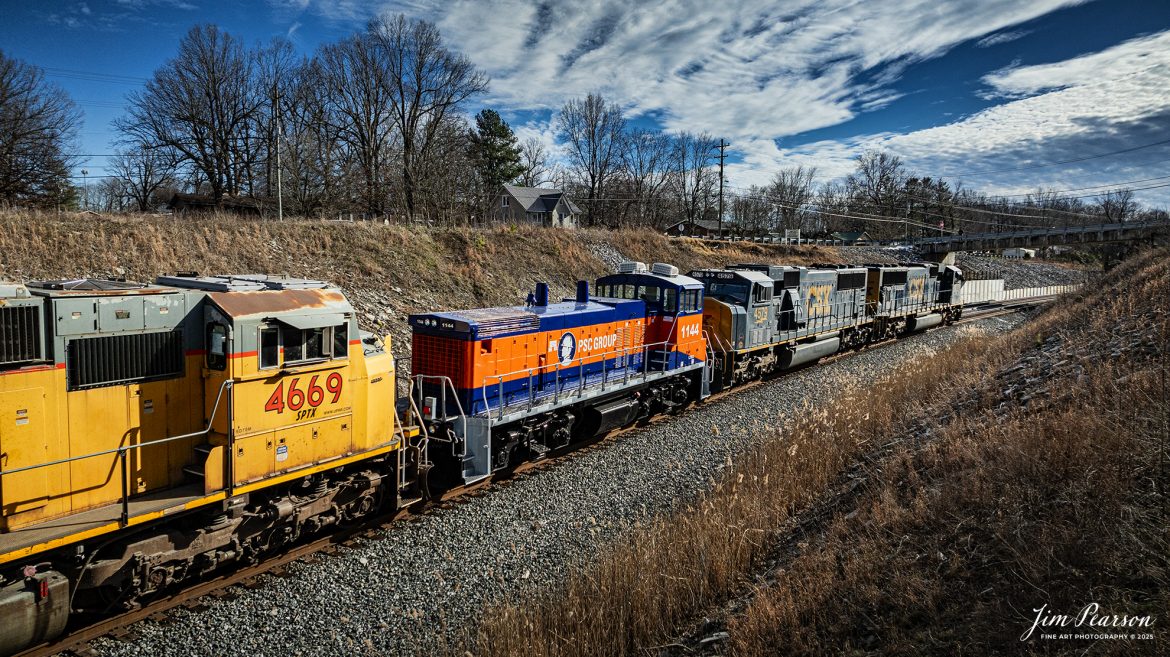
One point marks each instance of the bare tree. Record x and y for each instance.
(142, 173)
(592, 130)
(790, 190)
(646, 161)
(751, 212)
(425, 81)
(877, 185)
(1117, 205)
(359, 109)
(38, 123)
(832, 203)
(534, 160)
(693, 177)
(201, 105)
(276, 67)
(313, 153)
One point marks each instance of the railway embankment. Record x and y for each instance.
(387, 271)
(1006, 494)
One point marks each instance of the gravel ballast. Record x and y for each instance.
(430, 578)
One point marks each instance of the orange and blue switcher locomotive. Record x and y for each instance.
(497, 386)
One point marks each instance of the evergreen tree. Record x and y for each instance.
(495, 151)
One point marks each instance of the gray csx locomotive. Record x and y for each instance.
(763, 318)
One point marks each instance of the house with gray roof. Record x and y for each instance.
(700, 228)
(536, 205)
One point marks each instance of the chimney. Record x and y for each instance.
(542, 294)
(582, 291)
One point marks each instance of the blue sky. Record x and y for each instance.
(988, 93)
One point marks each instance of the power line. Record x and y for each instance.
(1118, 186)
(1050, 164)
(92, 76)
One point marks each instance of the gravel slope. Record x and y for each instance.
(428, 578)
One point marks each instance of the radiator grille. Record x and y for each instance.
(851, 281)
(117, 359)
(894, 278)
(437, 356)
(20, 334)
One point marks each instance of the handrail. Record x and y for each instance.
(226, 384)
(125, 449)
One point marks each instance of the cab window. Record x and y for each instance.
(216, 346)
(690, 300)
(269, 347)
(341, 341)
(669, 300)
(761, 293)
(294, 344)
(648, 293)
(316, 344)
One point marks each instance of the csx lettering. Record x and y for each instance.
(818, 300)
(313, 395)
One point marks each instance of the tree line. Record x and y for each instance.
(376, 125)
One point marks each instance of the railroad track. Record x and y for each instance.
(117, 626)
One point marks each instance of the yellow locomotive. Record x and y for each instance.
(151, 433)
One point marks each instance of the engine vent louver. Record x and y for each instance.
(118, 359)
(20, 334)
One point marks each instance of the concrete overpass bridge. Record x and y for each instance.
(1152, 231)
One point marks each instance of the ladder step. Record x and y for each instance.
(195, 471)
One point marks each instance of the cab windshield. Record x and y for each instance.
(732, 293)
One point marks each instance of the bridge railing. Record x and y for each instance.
(1020, 232)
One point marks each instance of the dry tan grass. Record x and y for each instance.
(961, 516)
(443, 267)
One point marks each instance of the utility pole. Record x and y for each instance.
(722, 154)
(279, 191)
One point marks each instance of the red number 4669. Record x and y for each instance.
(297, 398)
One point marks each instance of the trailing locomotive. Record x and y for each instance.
(150, 434)
(764, 318)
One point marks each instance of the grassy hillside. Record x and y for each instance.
(931, 514)
(387, 271)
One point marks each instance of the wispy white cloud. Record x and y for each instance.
(733, 68)
(1093, 104)
(1001, 37)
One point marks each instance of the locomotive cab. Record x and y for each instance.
(740, 312)
(288, 355)
(674, 303)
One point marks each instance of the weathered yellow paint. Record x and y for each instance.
(819, 297)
